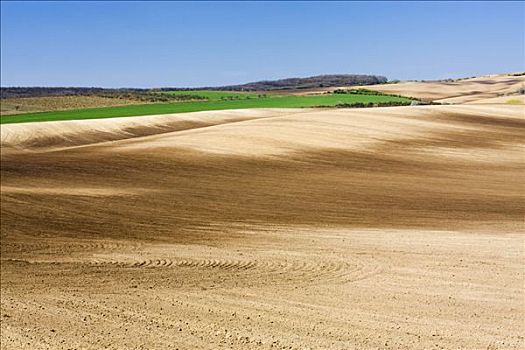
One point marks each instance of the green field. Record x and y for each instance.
(211, 95)
(214, 103)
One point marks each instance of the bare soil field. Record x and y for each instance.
(459, 91)
(382, 228)
(57, 103)
(509, 99)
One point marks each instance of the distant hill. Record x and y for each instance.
(334, 80)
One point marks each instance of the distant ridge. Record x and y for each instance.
(328, 80)
(318, 81)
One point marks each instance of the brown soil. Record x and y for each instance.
(58, 103)
(384, 228)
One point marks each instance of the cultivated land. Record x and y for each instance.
(217, 101)
(473, 90)
(377, 228)
(212, 95)
(26, 100)
(56, 103)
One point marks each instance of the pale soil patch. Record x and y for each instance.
(59, 134)
(457, 92)
(510, 100)
(74, 191)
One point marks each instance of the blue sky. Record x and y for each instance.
(152, 44)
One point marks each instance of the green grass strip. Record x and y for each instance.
(326, 100)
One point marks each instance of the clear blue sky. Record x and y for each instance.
(152, 44)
